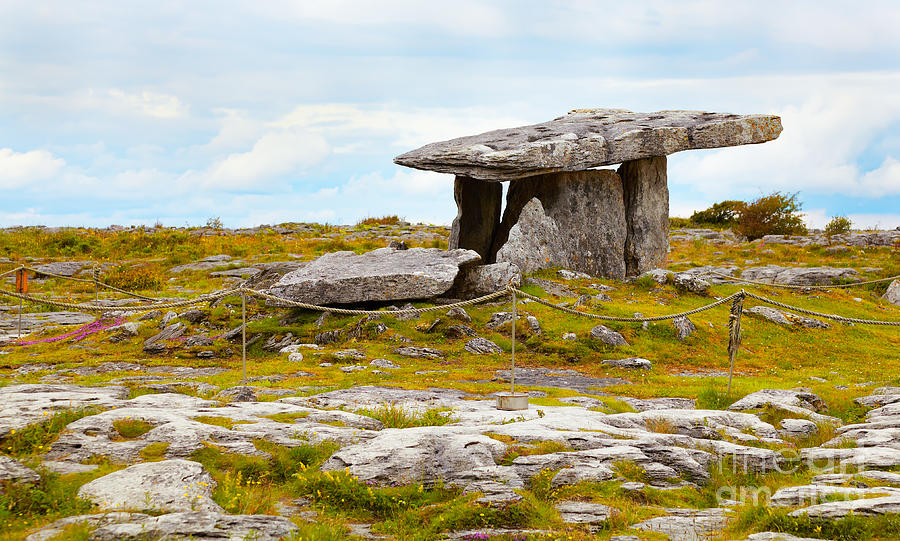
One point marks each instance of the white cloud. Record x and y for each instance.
(404, 184)
(149, 103)
(405, 127)
(464, 17)
(277, 153)
(18, 169)
(828, 122)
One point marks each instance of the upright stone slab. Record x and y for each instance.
(589, 211)
(646, 214)
(478, 215)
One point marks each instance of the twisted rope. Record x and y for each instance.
(822, 315)
(787, 286)
(95, 308)
(296, 304)
(17, 269)
(626, 319)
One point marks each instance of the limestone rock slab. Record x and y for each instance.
(199, 525)
(385, 274)
(169, 485)
(799, 276)
(16, 472)
(587, 138)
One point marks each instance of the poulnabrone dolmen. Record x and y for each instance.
(560, 211)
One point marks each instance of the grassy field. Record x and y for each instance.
(833, 363)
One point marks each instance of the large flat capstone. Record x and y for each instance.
(385, 274)
(588, 138)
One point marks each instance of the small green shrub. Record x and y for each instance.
(774, 214)
(722, 214)
(839, 225)
(384, 220)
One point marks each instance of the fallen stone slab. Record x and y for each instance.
(800, 276)
(167, 486)
(588, 138)
(385, 274)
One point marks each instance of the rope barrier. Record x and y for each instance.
(345, 311)
(625, 319)
(788, 286)
(822, 315)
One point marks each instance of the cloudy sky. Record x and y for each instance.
(272, 111)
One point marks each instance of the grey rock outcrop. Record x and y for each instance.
(11, 470)
(588, 138)
(196, 525)
(167, 486)
(574, 512)
(608, 336)
(384, 274)
(799, 276)
(684, 327)
(482, 346)
(786, 318)
(632, 363)
(892, 295)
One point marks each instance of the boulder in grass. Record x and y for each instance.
(385, 274)
(608, 336)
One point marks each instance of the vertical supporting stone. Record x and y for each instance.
(646, 197)
(478, 215)
(588, 210)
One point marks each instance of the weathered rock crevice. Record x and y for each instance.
(478, 215)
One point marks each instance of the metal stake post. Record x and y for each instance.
(244, 334)
(512, 373)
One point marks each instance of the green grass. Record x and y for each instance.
(770, 357)
(394, 416)
(131, 429)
